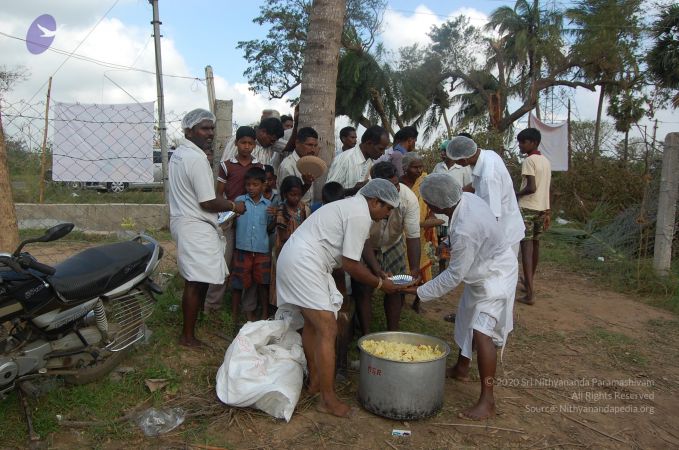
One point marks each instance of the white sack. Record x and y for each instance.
(263, 367)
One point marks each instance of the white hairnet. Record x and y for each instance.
(382, 190)
(410, 158)
(461, 147)
(441, 190)
(193, 118)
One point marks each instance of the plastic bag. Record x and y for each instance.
(154, 422)
(263, 367)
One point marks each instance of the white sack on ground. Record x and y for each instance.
(263, 367)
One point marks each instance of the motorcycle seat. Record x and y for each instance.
(98, 270)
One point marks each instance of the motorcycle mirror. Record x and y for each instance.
(56, 232)
(52, 234)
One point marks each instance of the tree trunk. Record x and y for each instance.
(377, 104)
(319, 74)
(625, 148)
(597, 124)
(9, 231)
(447, 122)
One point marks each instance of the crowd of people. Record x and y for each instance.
(283, 246)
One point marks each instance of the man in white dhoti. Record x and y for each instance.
(330, 238)
(193, 217)
(484, 261)
(490, 181)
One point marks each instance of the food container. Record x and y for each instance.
(402, 390)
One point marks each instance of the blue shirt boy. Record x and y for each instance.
(251, 227)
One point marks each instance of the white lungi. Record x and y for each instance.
(312, 287)
(493, 297)
(200, 250)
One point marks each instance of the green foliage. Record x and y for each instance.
(606, 34)
(663, 58)
(359, 75)
(588, 184)
(275, 62)
(10, 76)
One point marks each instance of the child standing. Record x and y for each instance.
(289, 216)
(251, 258)
(231, 184)
(536, 176)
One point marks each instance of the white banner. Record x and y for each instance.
(554, 144)
(103, 143)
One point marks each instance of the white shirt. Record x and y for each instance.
(349, 168)
(191, 183)
(485, 263)
(403, 220)
(289, 167)
(491, 182)
(462, 174)
(280, 144)
(476, 239)
(337, 229)
(265, 155)
(539, 167)
(200, 244)
(316, 248)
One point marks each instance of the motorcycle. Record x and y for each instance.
(76, 320)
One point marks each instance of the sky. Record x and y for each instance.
(195, 34)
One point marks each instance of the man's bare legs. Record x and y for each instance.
(263, 295)
(487, 361)
(363, 296)
(319, 347)
(309, 346)
(393, 303)
(529, 251)
(460, 371)
(192, 300)
(235, 307)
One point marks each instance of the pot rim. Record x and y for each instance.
(444, 344)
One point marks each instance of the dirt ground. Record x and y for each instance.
(584, 367)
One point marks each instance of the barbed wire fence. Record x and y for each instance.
(99, 167)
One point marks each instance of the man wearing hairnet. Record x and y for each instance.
(486, 264)
(330, 238)
(193, 217)
(491, 182)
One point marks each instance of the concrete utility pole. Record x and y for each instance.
(161, 99)
(667, 205)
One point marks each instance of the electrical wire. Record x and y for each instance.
(106, 64)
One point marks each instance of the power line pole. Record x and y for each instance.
(161, 99)
(43, 158)
(210, 82)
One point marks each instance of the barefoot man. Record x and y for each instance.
(485, 262)
(193, 217)
(330, 238)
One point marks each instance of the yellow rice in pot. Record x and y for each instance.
(397, 351)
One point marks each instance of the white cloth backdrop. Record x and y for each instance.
(554, 143)
(103, 143)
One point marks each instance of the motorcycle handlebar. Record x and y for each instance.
(40, 267)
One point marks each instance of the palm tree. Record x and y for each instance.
(606, 32)
(663, 59)
(530, 38)
(319, 74)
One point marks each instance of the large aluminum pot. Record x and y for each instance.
(402, 390)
